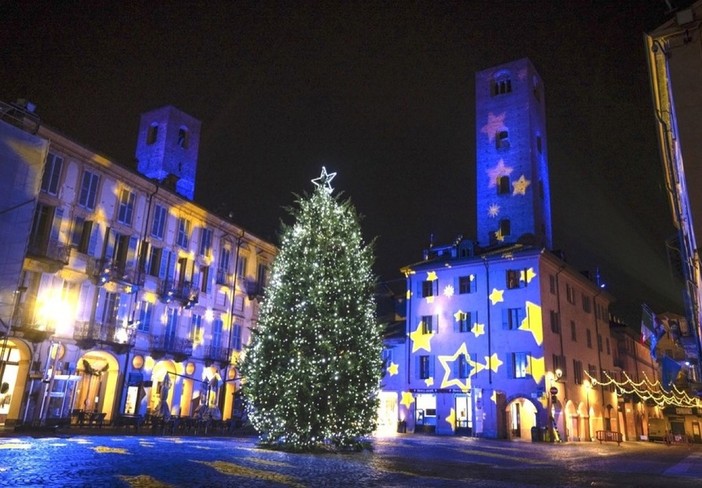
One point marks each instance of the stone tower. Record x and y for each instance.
(167, 148)
(513, 199)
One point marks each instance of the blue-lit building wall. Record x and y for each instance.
(513, 199)
(167, 146)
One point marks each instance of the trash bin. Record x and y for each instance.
(535, 434)
(402, 427)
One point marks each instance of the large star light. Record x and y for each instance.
(520, 186)
(493, 362)
(497, 172)
(420, 340)
(429, 381)
(462, 383)
(496, 296)
(451, 418)
(407, 399)
(533, 322)
(527, 275)
(393, 369)
(478, 329)
(537, 366)
(495, 123)
(431, 276)
(324, 180)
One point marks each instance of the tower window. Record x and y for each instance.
(183, 138)
(502, 140)
(505, 227)
(501, 86)
(152, 134)
(503, 185)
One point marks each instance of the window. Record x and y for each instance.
(607, 345)
(570, 294)
(126, 207)
(159, 223)
(592, 370)
(588, 338)
(183, 232)
(152, 133)
(578, 372)
(512, 318)
(573, 331)
(552, 284)
(82, 231)
(505, 227)
(145, 311)
(599, 342)
(154, 264)
(225, 254)
(467, 284)
(216, 333)
(88, 190)
(520, 365)
(261, 276)
(427, 324)
(587, 308)
(555, 322)
(236, 337)
(205, 242)
(426, 367)
(241, 266)
(110, 308)
(501, 85)
(463, 366)
(52, 174)
(503, 185)
(502, 139)
(205, 278)
(466, 321)
(183, 138)
(515, 278)
(559, 362)
(429, 288)
(196, 327)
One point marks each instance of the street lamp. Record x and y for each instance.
(588, 387)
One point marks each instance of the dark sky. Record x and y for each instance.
(383, 94)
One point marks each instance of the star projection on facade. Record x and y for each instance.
(462, 383)
(493, 397)
(497, 172)
(393, 369)
(527, 275)
(407, 399)
(451, 419)
(495, 123)
(431, 276)
(478, 329)
(520, 186)
(420, 340)
(449, 291)
(496, 296)
(537, 366)
(493, 210)
(533, 323)
(429, 381)
(324, 180)
(499, 236)
(493, 362)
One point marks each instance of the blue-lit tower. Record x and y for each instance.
(167, 148)
(513, 202)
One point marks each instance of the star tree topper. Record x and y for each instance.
(324, 180)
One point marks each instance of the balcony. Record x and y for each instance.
(254, 289)
(117, 337)
(183, 292)
(51, 253)
(213, 354)
(105, 271)
(224, 278)
(179, 347)
(26, 327)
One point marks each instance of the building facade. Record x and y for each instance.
(130, 299)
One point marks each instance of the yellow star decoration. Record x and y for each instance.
(520, 186)
(532, 322)
(420, 340)
(493, 397)
(527, 275)
(459, 315)
(494, 124)
(537, 366)
(407, 399)
(393, 369)
(493, 362)
(449, 291)
(451, 418)
(496, 296)
(409, 294)
(478, 329)
(429, 381)
(431, 276)
(499, 236)
(444, 360)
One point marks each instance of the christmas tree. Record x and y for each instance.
(313, 367)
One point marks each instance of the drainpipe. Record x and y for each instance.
(239, 240)
(489, 319)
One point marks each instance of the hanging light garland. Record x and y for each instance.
(649, 390)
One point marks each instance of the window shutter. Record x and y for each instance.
(163, 268)
(417, 367)
(56, 224)
(510, 365)
(435, 325)
(94, 236)
(431, 366)
(100, 304)
(505, 318)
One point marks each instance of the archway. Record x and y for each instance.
(97, 387)
(15, 358)
(158, 377)
(585, 425)
(521, 417)
(572, 421)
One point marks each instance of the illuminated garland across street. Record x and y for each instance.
(648, 390)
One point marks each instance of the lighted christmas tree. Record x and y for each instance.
(313, 368)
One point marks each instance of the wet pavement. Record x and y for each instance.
(400, 461)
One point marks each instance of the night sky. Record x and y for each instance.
(381, 94)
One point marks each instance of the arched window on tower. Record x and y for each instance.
(505, 227)
(501, 84)
(152, 133)
(183, 138)
(502, 139)
(503, 186)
